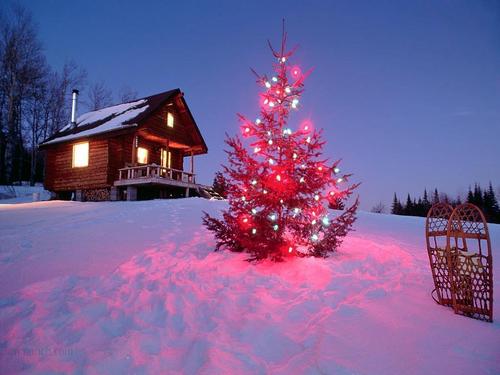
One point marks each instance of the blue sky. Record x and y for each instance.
(408, 93)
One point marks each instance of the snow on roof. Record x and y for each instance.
(116, 117)
(111, 118)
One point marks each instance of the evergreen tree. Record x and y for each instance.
(220, 184)
(470, 196)
(396, 208)
(408, 209)
(277, 190)
(491, 209)
(425, 202)
(478, 196)
(435, 197)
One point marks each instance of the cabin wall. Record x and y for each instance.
(60, 174)
(154, 153)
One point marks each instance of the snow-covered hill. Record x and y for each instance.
(134, 287)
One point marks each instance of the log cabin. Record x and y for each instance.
(129, 151)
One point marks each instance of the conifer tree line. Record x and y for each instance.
(35, 98)
(485, 199)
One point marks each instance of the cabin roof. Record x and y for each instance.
(116, 117)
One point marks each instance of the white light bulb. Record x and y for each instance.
(271, 161)
(274, 79)
(339, 180)
(254, 211)
(270, 142)
(272, 217)
(266, 100)
(283, 59)
(245, 220)
(294, 156)
(287, 90)
(264, 191)
(278, 177)
(295, 103)
(326, 221)
(336, 170)
(268, 84)
(254, 231)
(258, 121)
(243, 198)
(302, 180)
(313, 222)
(314, 237)
(256, 149)
(275, 226)
(254, 182)
(290, 249)
(316, 197)
(296, 210)
(281, 201)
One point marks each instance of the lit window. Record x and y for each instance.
(81, 155)
(166, 158)
(142, 155)
(170, 120)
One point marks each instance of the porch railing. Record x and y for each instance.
(154, 170)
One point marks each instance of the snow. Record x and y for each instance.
(134, 287)
(118, 114)
(22, 193)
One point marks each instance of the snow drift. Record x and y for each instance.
(134, 287)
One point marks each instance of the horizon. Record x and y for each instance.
(401, 90)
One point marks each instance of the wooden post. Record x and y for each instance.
(192, 162)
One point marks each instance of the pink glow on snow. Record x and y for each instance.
(166, 303)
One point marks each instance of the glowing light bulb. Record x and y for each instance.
(308, 139)
(271, 104)
(316, 197)
(290, 249)
(296, 210)
(294, 156)
(278, 177)
(269, 133)
(283, 59)
(264, 191)
(272, 217)
(254, 182)
(275, 227)
(306, 128)
(270, 142)
(326, 221)
(256, 149)
(339, 180)
(314, 237)
(295, 103)
(254, 230)
(268, 84)
(271, 161)
(274, 79)
(302, 180)
(281, 201)
(258, 121)
(266, 100)
(254, 211)
(247, 130)
(288, 90)
(313, 222)
(320, 168)
(336, 170)
(245, 220)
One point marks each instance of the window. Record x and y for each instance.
(80, 155)
(166, 158)
(142, 155)
(170, 120)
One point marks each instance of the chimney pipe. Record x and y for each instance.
(73, 108)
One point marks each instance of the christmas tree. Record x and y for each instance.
(278, 187)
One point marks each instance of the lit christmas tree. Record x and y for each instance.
(279, 187)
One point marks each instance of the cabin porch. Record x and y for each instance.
(152, 180)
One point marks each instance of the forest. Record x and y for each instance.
(35, 98)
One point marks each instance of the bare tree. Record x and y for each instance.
(127, 94)
(99, 96)
(379, 208)
(22, 67)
